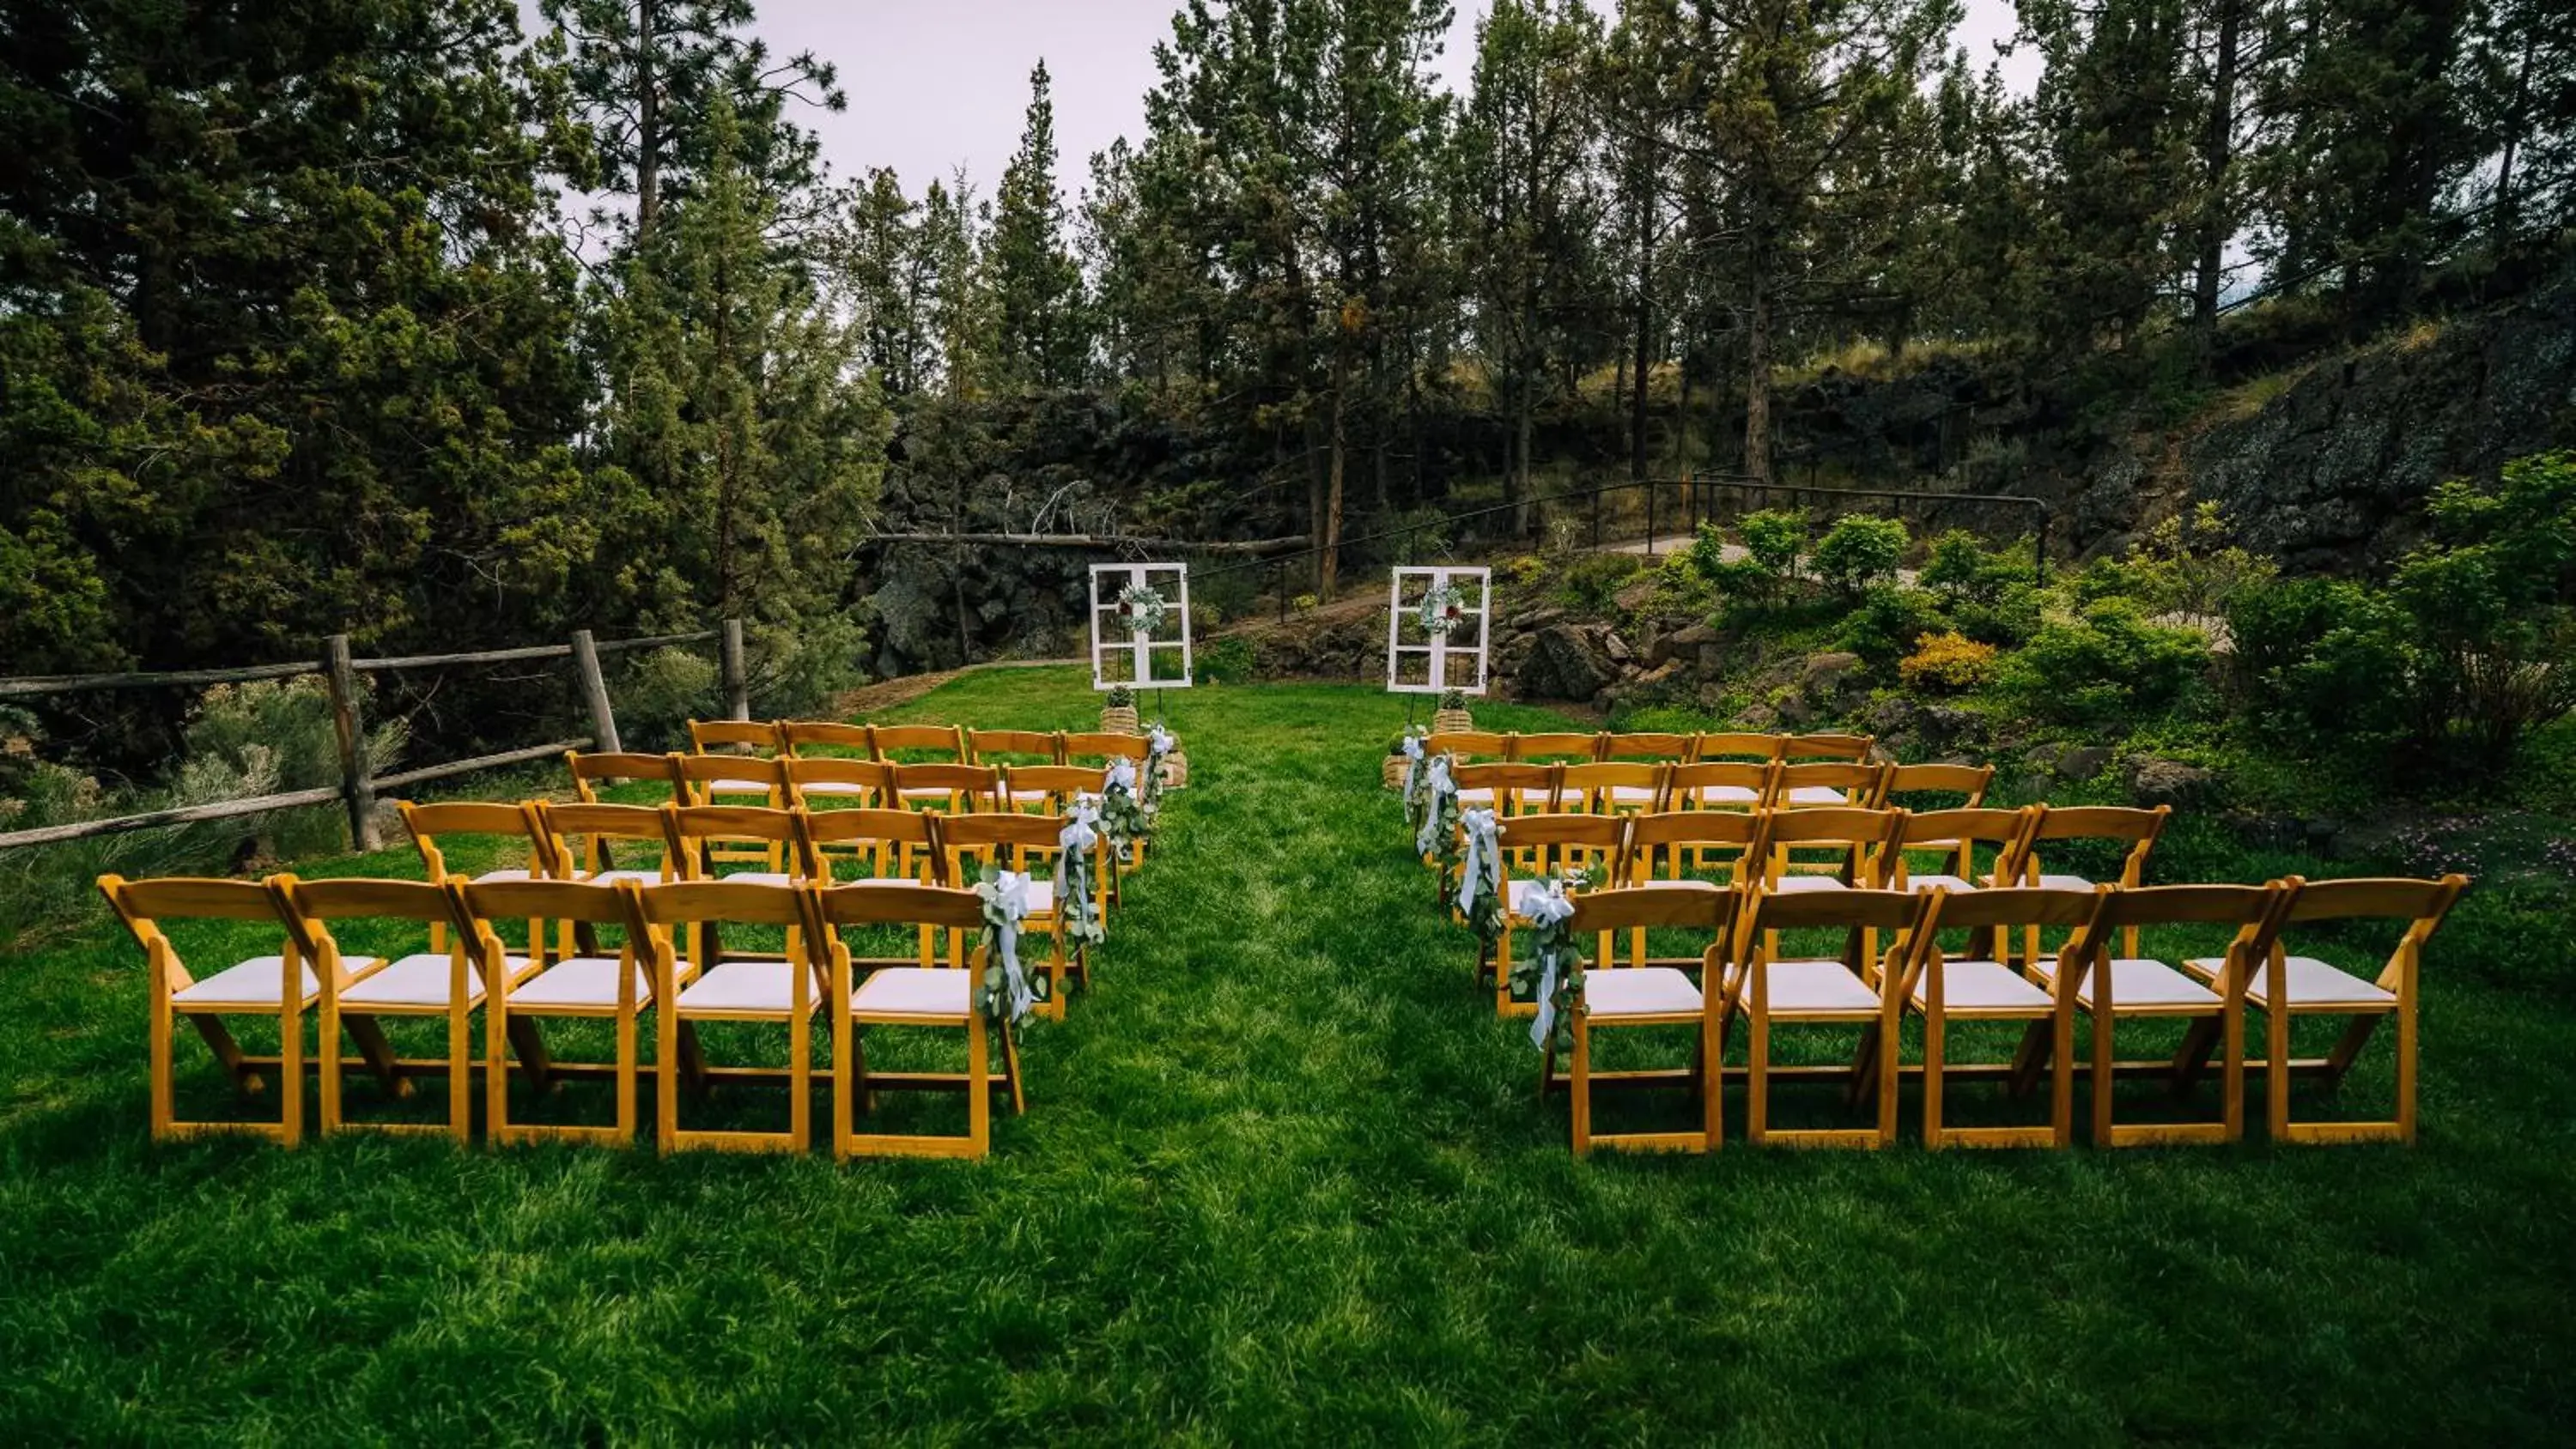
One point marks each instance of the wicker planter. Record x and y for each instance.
(1118, 719)
(1393, 774)
(1176, 769)
(1451, 721)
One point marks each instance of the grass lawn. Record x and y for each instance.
(1283, 1178)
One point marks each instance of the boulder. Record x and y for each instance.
(2068, 762)
(1616, 647)
(2154, 781)
(1562, 664)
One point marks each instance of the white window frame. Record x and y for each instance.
(1109, 638)
(1404, 623)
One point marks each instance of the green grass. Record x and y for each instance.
(1283, 1179)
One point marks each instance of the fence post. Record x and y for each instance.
(349, 731)
(737, 682)
(594, 691)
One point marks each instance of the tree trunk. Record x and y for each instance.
(648, 126)
(1331, 544)
(1520, 480)
(2517, 121)
(1645, 324)
(2217, 143)
(1757, 363)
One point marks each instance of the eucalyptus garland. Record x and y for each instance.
(1417, 782)
(1437, 837)
(1121, 812)
(1550, 972)
(1075, 906)
(1443, 610)
(1158, 743)
(1144, 608)
(1005, 993)
(1480, 878)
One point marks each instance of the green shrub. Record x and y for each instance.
(798, 672)
(2184, 565)
(2320, 665)
(1963, 571)
(1592, 581)
(2494, 602)
(2007, 621)
(1680, 587)
(2108, 667)
(660, 693)
(1227, 661)
(1887, 624)
(1775, 538)
(1859, 552)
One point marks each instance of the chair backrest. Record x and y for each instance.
(699, 902)
(143, 904)
(2421, 904)
(2139, 828)
(1849, 748)
(825, 781)
(1060, 784)
(481, 905)
(2255, 911)
(1687, 904)
(1734, 836)
(1963, 830)
(1104, 747)
(577, 837)
(1870, 835)
(307, 907)
(700, 774)
(1467, 744)
(1858, 910)
(1736, 745)
(1513, 784)
(1042, 747)
(885, 740)
(1857, 784)
(589, 772)
(1967, 781)
(1544, 845)
(703, 833)
(426, 823)
(800, 736)
(969, 787)
(1989, 915)
(1594, 786)
(889, 834)
(1005, 840)
(1561, 746)
(895, 905)
(1667, 749)
(1687, 785)
(760, 736)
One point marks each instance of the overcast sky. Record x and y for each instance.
(939, 84)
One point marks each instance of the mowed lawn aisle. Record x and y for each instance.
(1283, 1178)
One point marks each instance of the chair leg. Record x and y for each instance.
(2276, 1076)
(529, 1042)
(2406, 1069)
(1757, 1081)
(979, 1090)
(329, 1065)
(219, 1040)
(800, 1077)
(2061, 1077)
(2232, 1071)
(1712, 1082)
(2102, 1079)
(1936, 1035)
(627, 1046)
(1580, 1087)
(370, 1037)
(290, 1074)
(1011, 1069)
(666, 1076)
(460, 1073)
(164, 1093)
(844, 1127)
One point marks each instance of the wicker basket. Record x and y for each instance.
(1118, 719)
(1393, 774)
(1176, 769)
(1451, 721)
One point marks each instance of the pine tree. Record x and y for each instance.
(1042, 341)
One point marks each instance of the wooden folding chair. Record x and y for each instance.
(831, 782)
(1850, 749)
(708, 781)
(1955, 836)
(1904, 783)
(917, 744)
(949, 789)
(1512, 788)
(1534, 849)
(1972, 987)
(892, 845)
(1652, 748)
(427, 824)
(823, 739)
(1720, 785)
(1861, 842)
(1468, 745)
(1014, 747)
(614, 984)
(1827, 784)
(576, 841)
(894, 992)
(1645, 994)
(1050, 789)
(1028, 844)
(279, 986)
(1857, 989)
(2119, 825)
(1737, 746)
(2111, 988)
(740, 741)
(774, 992)
(443, 982)
(590, 773)
(2286, 987)
(1564, 747)
(1612, 787)
(1101, 748)
(1678, 844)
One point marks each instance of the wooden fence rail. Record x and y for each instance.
(357, 791)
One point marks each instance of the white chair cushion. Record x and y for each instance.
(831, 787)
(612, 877)
(1638, 991)
(743, 986)
(1632, 795)
(2139, 982)
(761, 877)
(1481, 795)
(1981, 986)
(1790, 885)
(492, 875)
(1950, 883)
(1816, 986)
(581, 981)
(2064, 882)
(1028, 797)
(2312, 983)
(420, 980)
(1816, 795)
(926, 792)
(1041, 896)
(254, 982)
(915, 991)
(1727, 795)
(737, 787)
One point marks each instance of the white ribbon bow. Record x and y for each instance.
(1122, 774)
(1426, 840)
(1159, 740)
(1484, 861)
(1546, 906)
(1412, 767)
(1074, 842)
(1011, 893)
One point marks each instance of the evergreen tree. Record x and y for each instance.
(1042, 341)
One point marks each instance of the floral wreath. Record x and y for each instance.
(1143, 608)
(1444, 611)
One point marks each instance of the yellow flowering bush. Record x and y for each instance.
(1947, 663)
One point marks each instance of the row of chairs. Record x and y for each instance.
(1962, 849)
(1742, 974)
(824, 781)
(466, 968)
(1653, 748)
(955, 744)
(1607, 786)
